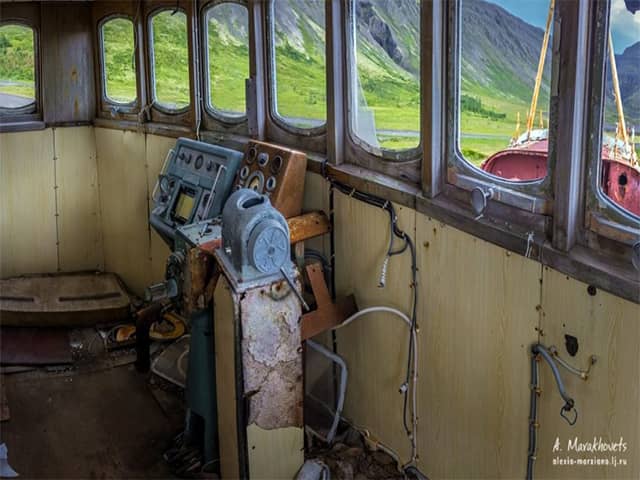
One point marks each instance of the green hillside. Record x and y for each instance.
(17, 76)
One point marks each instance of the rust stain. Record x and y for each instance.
(74, 75)
(76, 107)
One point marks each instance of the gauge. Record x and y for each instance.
(199, 161)
(263, 159)
(271, 183)
(256, 181)
(244, 173)
(276, 164)
(251, 154)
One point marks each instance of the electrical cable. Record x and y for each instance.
(398, 233)
(414, 378)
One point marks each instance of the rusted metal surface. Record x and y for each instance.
(328, 314)
(308, 225)
(272, 356)
(621, 183)
(200, 279)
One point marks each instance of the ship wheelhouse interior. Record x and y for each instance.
(320, 239)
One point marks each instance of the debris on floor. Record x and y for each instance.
(350, 459)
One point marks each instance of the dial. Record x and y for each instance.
(251, 154)
(199, 162)
(271, 183)
(263, 159)
(276, 164)
(244, 173)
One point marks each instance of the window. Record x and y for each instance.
(170, 60)
(619, 167)
(227, 33)
(17, 69)
(298, 68)
(384, 83)
(118, 61)
(504, 79)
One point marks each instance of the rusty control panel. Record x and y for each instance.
(275, 171)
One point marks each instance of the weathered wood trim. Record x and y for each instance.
(336, 81)
(569, 72)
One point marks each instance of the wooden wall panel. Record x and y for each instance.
(123, 199)
(374, 347)
(477, 319)
(27, 203)
(157, 148)
(79, 226)
(608, 403)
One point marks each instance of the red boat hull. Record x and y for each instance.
(619, 181)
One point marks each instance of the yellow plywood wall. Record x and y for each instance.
(44, 175)
(608, 403)
(123, 198)
(477, 319)
(27, 203)
(79, 226)
(156, 152)
(480, 309)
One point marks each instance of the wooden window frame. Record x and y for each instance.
(404, 165)
(188, 116)
(212, 118)
(105, 107)
(277, 129)
(29, 116)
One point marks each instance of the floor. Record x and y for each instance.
(87, 423)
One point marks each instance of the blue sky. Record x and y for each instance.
(625, 26)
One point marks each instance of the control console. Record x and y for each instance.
(276, 172)
(195, 182)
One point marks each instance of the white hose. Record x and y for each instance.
(414, 434)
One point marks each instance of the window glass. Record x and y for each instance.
(170, 59)
(299, 57)
(504, 83)
(385, 83)
(17, 67)
(119, 62)
(620, 171)
(228, 56)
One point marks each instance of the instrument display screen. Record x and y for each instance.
(184, 207)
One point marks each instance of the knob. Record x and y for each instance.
(209, 165)
(199, 162)
(480, 200)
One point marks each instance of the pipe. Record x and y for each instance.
(343, 385)
(539, 349)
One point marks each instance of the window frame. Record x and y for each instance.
(602, 219)
(33, 111)
(534, 196)
(212, 118)
(278, 129)
(156, 113)
(107, 104)
(404, 165)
